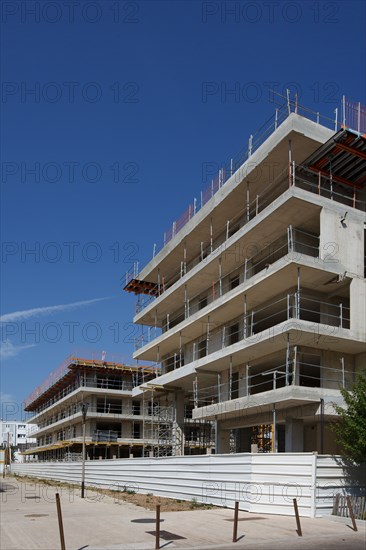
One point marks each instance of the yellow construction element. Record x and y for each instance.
(262, 436)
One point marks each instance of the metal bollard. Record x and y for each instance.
(299, 532)
(157, 528)
(235, 526)
(60, 524)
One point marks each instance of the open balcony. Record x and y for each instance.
(300, 305)
(299, 178)
(297, 368)
(293, 246)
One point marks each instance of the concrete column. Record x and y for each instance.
(341, 240)
(357, 306)
(90, 426)
(294, 435)
(224, 390)
(243, 381)
(222, 439)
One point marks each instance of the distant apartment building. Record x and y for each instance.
(117, 424)
(255, 305)
(17, 433)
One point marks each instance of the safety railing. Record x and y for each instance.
(295, 244)
(80, 357)
(97, 382)
(291, 373)
(291, 306)
(354, 116)
(350, 111)
(254, 142)
(57, 397)
(112, 409)
(278, 186)
(324, 187)
(298, 177)
(52, 379)
(106, 435)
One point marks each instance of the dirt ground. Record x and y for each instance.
(148, 501)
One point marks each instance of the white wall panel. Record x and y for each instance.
(263, 483)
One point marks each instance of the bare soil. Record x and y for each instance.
(147, 501)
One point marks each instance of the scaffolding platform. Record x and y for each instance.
(141, 287)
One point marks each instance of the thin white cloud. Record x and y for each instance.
(40, 311)
(8, 350)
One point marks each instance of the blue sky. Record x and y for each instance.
(109, 147)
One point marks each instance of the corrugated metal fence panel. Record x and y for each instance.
(281, 478)
(261, 483)
(333, 477)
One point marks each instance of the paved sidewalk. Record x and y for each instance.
(29, 522)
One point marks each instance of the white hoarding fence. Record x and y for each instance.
(262, 483)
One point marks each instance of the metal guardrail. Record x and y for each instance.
(321, 187)
(251, 266)
(290, 373)
(292, 306)
(106, 384)
(111, 409)
(106, 435)
(293, 244)
(255, 141)
(353, 117)
(82, 357)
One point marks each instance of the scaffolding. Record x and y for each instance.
(163, 435)
(262, 436)
(166, 431)
(62, 380)
(198, 434)
(103, 379)
(159, 427)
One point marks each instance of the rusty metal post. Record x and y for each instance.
(351, 514)
(298, 530)
(157, 528)
(60, 524)
(235, 526)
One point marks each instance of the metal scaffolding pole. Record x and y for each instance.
(230, 377)
(211, 235)
(287, 359)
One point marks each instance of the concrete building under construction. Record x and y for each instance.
(254, 306)
(113, 424)
(117, 424)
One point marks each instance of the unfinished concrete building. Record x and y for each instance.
(117, 425)
(255, 304)
(115, 422)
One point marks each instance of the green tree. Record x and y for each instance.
(350, 431)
